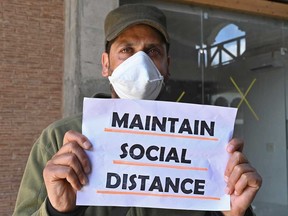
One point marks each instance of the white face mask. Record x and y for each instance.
(137, 78)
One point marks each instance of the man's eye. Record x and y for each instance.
(153, 52)
(126, 50)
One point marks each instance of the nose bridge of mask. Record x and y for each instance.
(137, 67)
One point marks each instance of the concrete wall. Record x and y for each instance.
(84, 45)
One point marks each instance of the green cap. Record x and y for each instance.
(132, 14)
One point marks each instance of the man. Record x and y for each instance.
(139, 33)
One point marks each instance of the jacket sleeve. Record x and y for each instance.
(32, 192)
(31, 199)
(80, 210)
(249, 212)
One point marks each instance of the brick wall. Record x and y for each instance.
(31, 70)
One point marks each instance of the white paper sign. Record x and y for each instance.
(156, 154)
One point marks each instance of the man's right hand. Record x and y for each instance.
(67, 171)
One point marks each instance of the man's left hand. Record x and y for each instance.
(243, 181)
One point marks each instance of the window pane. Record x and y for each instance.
(255, 83)
(230, 59)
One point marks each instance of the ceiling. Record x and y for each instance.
(280, 1)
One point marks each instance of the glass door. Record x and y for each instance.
(230, 59)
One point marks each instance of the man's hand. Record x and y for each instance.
(67, 171)
(243, 181)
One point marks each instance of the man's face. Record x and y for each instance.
(137, 38)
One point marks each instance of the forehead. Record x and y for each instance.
(141, 33)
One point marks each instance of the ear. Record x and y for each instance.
(168, 60)
(105, 64)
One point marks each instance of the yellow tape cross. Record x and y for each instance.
(244, 96)
(181, 96)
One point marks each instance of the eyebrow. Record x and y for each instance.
(146, 46)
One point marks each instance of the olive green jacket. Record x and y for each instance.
(32, 194)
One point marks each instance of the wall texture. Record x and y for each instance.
(84, 44)
(31, 71)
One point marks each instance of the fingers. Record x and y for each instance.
(71, 167)
(72, 152)
(73, 136)
(235, 145)
(243, 181)
(235, 159)
(70, 163)
(251, 180)
(66, 172)
(240, 175)
(53, 174)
